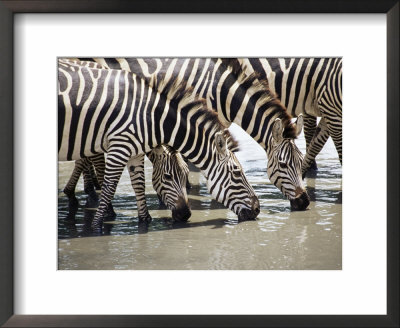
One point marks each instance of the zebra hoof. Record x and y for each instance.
(313, 166)
(310, 173)
(109, 213)
(161, 205)
(96, 229)
(73, 203)
(92, 202)
(146, 219)
(143, 227)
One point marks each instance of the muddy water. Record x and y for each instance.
(212, 239)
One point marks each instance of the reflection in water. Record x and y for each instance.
(74, 228)
(212, 238)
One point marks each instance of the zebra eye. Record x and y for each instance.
(236, 170)
(167, 176)
(283, 165)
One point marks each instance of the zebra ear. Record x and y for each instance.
(299, 124)
(220, 143)
(158, 150)
(277, 130)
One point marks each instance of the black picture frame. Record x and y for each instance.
(8, 199)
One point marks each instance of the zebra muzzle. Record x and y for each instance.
(250, 214)
(182, 211)
(300, 203)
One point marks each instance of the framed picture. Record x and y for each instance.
(361, 291)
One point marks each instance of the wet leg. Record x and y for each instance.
(136, 173)
(310, 126)
(317, 143)
(114, 167)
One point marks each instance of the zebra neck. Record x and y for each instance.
(257, 118)
(198, 148)
(243, 99)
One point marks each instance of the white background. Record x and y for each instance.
(360, 288)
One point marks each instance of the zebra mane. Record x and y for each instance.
(178, 93)
(268, 98)
(184, 97)
(233, 64)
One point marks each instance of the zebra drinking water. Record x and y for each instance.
(311, 87)
(238, 98)
(170, 191)
(169, 164)
(170, 173)
(118, 113)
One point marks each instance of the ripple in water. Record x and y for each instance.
(212, 238)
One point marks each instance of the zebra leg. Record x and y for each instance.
(334, 124)
(69, 189)
(318, 141)
(100, 165)
(310, 126)
(93, 177)
(188, 185)
(92, 200)
(114, 168)
(136, 173)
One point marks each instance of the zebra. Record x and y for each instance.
(175, 199)
(238, 98)
(118, 113)
(169, 191)
(170, 173)
(311, 87)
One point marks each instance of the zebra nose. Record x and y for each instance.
(252, 212)
(300, 203)
(255, 205)
(182, 211)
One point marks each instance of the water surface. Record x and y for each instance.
(213, 238)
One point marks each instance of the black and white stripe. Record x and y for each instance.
(311, 87)
(170, 191)
(170, 187)
(238, 98)
(170, 174)
(116, 112)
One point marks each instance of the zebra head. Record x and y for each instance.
(227, 183)
(284, 165)
(170, 174)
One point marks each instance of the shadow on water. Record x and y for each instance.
(78, 221)
(167, 224)
(75, 222)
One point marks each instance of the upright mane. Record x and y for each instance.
(179, 94)
(184, 97)
(256, 85)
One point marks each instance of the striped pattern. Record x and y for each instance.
(308, 86)
(237, 97)
(91, 183)
(116, 112)
(170, 174)
(176, 200)
(172, 190)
